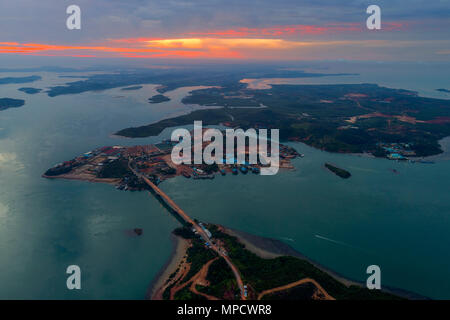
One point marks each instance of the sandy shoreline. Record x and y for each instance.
(180, 246)
(271, 248)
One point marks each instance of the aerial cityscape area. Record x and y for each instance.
(237, 151)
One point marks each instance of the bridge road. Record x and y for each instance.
(195, 225)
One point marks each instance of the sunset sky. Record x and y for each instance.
(413, 30)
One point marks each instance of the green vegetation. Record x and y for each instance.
(30, 90)
(260, 274)
(158, 98)
(184, 232)
(197, 256)
(6, 103)
(233, 97)
(263, 274)
(114, 170)
(222, 281)
(208, 117)
(344, 174)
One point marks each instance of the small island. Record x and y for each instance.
(344, 174)
(30, 90)
(158, 98)
(132, 88)
(6, 103)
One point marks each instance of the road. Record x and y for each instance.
(195, 225)
(297, 283)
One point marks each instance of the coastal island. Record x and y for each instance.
(158, 98)
(113, 165)
(30, 90)
(6, 103)
(344, 174)
(443, 90)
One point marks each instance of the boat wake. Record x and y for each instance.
(335, 241)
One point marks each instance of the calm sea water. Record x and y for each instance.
(398, 221)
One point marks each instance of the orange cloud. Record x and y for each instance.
(215, 47)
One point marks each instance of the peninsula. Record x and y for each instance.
(197, 273)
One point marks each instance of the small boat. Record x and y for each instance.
(235, 171)
(255, 170)
(222, 172)
(243, 169)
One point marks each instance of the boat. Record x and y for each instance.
(243, 169)
(255, 170)
(222, 172)
(235, 171)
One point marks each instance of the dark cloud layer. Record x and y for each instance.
(44, 20)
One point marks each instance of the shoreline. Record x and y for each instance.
(157, 285)
(110, 181)
(269, 248)
(266, 248)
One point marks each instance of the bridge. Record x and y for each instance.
(188, 220)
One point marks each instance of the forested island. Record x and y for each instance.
(6, 103)
(158, 98)
(344, 174)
